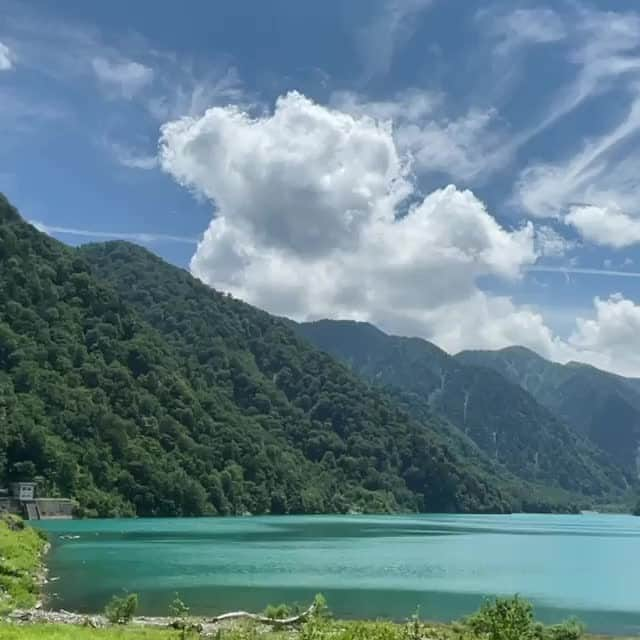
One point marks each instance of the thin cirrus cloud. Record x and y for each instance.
(130, 157)
(122, 78)
(392, 24)
(144, 238)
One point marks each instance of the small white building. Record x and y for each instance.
(23, 491)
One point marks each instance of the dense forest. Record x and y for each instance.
(503, 419)
(131, 386)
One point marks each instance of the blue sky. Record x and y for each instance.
(464, 171)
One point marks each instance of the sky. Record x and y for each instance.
(463, 171)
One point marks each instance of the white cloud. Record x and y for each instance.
(306, 223)
(464, 147)
(603, 47)
(391, 26)
(122, 78)
(6, 57)
(305, 179)
(598, 174)
(549, 243)
(609, 340)
(131, 158)
(525, 27)
(186, 93)
(307, 226)
(596, 190)
(605, 225)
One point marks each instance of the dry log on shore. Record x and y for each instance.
(245, 615)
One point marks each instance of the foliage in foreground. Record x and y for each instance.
(512, 619)
(20, 562)
(120, 610)
(502, 619)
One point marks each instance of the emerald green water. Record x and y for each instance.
(588, 565)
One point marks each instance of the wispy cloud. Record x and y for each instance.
(392, 24)
(596, 190)
(522, 27)
(602, 46)
(145, 238)
(466, 147)
(20, 115)
(131, 158)
(122, 78)
(183, 92)
(6, 57)
(539, 268)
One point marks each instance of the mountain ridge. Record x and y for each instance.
(499, 415)
(602, 405)
(133, 387)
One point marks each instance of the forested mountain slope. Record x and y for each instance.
(501, 417)
(601, 405)
(128, 384)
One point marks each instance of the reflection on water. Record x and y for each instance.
(366, 566)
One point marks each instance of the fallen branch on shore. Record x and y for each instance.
(245, 615)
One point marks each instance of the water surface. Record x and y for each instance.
(386, 566)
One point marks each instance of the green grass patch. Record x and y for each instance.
(20, 562)
(70, 632)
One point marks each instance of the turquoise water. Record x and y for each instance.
(587, 566)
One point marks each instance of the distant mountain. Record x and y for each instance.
(601, 405)
(505, 421)
(130, 385)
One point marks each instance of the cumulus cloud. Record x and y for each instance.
(304, 180)
(605, 225)
(122, 78)
(307, 224)
(609, 339)
(6, 57)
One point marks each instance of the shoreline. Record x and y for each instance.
(205, 626)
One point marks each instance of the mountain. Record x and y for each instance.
(603, 406)
(133, 387)
(503, 419)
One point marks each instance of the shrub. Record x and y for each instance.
(120, 610)
(277, 612)
(570, 630)
(504, 619)
(512, 619)
(178, 608)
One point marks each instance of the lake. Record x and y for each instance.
(366, 566)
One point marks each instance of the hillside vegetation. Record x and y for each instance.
(129, 385)
(502, 418)
(21, 549)
(603, 406)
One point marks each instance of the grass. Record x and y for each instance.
(69, 632)
(332, 631)
(20, 563)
